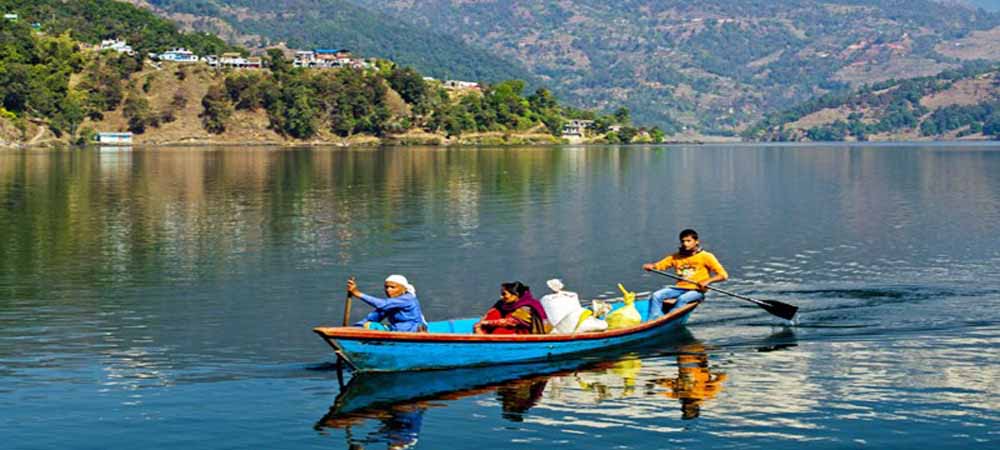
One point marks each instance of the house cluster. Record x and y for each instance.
(329, 58)
(233, 60)
(318, 58)
(456, 84)
(228, 60)
(577, 128)
(118, 46)
(177, 55)
(11, 17)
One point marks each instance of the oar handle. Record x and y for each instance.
(723, 291)
(347, 308)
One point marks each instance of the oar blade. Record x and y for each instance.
(783, 310)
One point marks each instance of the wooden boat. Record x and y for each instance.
(451, 344)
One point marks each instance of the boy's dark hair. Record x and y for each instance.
(688, 232)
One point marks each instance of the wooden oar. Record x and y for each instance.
(347, 307)
(783, 310)
(340, 357)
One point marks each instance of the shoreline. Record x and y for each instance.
(441, 141)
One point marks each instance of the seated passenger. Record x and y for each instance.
(401, 309)
(517, 312)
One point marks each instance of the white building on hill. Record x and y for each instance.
(117, 45)
(181, 55)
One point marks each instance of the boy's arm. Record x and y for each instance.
(715, 267)
(659, 265)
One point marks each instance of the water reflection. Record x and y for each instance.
(694, 383)
(149, 276)
(390, 407)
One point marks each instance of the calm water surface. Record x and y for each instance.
(164, 299)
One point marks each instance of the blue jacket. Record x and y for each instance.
(403, 312)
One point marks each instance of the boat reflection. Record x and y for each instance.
(398, 400)
(694, 382)
(390, 407)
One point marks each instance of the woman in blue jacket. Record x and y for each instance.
(400, 307)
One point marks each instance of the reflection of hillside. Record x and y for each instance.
(194, 211)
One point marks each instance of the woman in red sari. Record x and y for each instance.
(517, 312)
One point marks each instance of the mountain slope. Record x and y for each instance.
(989, 5)
(956, 104)
(340, 24)
(718, 64)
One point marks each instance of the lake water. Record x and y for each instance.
(165, 298)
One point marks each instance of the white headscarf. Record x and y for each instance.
(401, 280)
(555, 284)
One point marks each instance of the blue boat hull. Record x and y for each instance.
(382, 351)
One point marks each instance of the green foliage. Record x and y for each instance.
(35, 69)
(836, 131)
(93, 20)
(71, 113)
(991, 127)
(300, 102)
(628, 134)
(895, 104)
(136, 111)
(757, 58)
(343, 24)
(409, 84)
(657, 135)
(954, 117)
(217, 109)
(623, 116)
(277, 62)
(246, 89)
(35, 72)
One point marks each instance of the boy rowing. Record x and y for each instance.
(692, 263)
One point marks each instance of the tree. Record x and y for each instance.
(623, 116)
(217, 109)
(992, 125)
(627, 134)
(657, 134)
(136, 110)
(542, 100)
(71, 113)
(409, 84)
(276, 60)
(301, 114)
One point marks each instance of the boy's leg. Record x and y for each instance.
(655, 308)
(686, 297)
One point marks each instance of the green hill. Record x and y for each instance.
(54, 88)
(956, 104)
(714, 64)
(989, 5)
(90, 21)
(309, 24)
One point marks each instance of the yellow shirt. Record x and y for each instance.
(695, 267)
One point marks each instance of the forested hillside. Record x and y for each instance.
(718, 64)
(90, 21)
(62, 89)
(307, 24)
(46, 77)
(954, 104)
(989, 5)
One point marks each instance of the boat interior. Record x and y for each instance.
(464, 326)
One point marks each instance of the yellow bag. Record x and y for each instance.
(626, 316)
